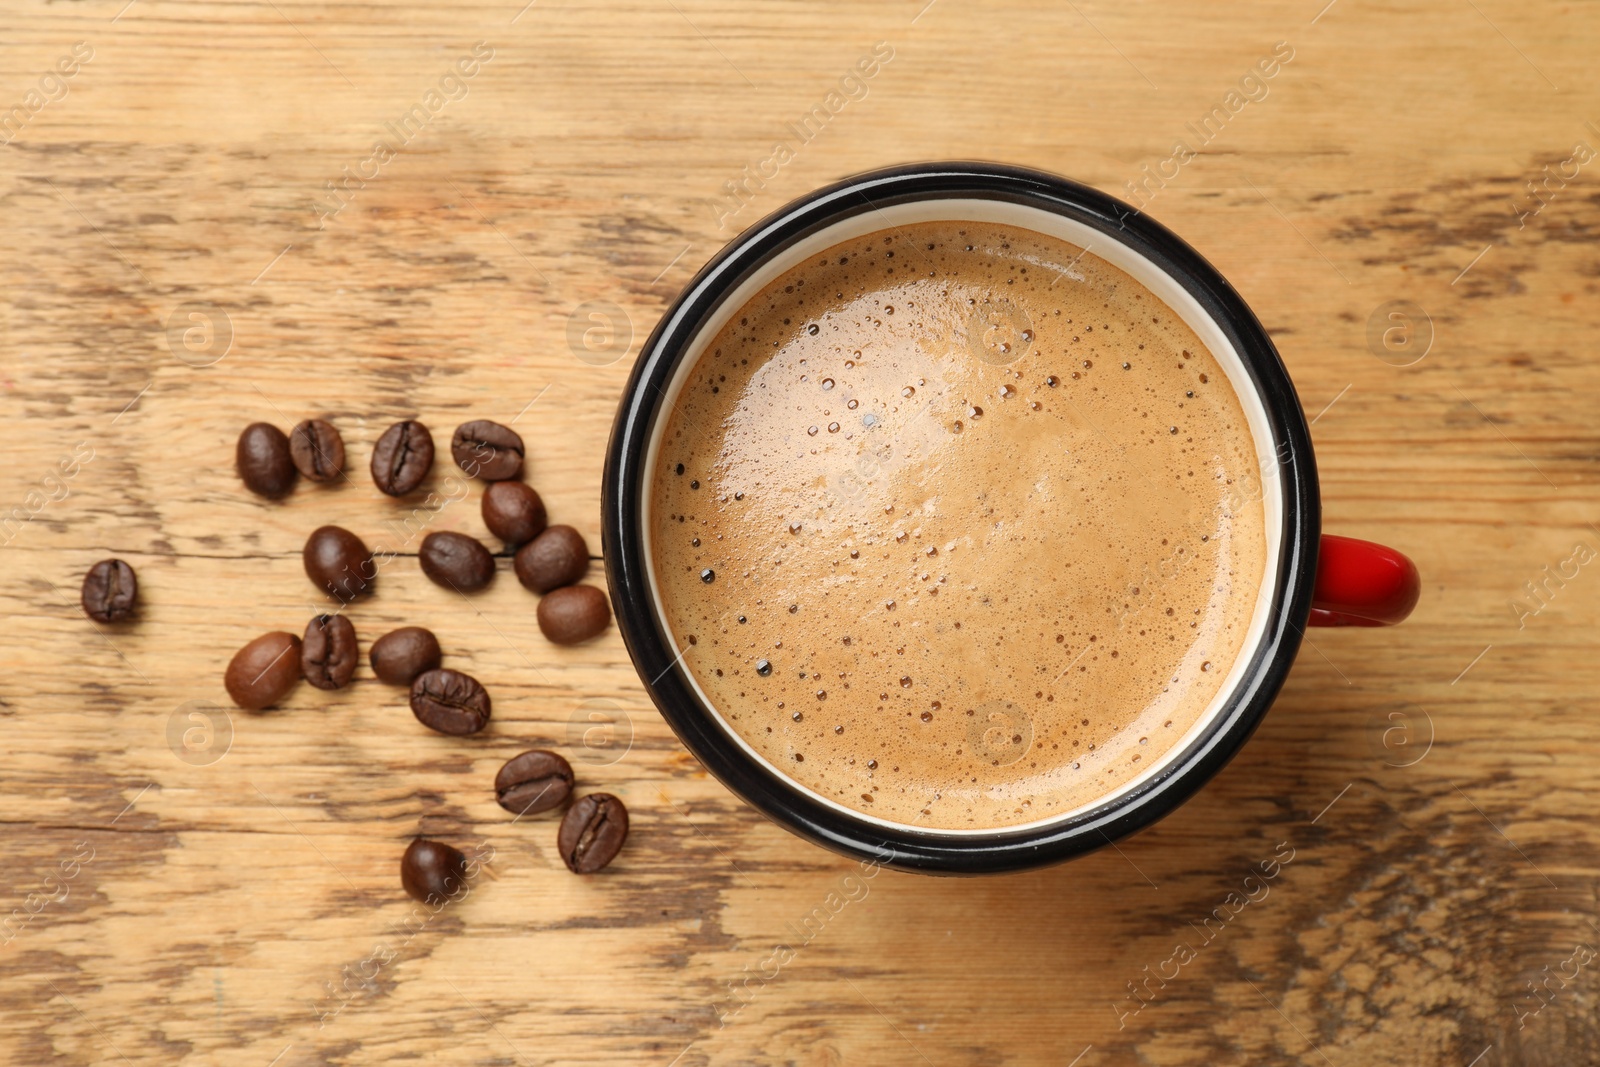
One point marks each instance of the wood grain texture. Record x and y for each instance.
(1434, 783)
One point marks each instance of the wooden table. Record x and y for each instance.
(177, 265)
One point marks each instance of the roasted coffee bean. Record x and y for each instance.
(533, 782)
(432, 871)
(450, 702)
(317, 450)
(338, 562)
(402, 458)
(487, 450)
(555, 558)
(400, 655)
(328, 654)
(110, 591)
(592, 832)
(264, 460)
(513, 512)
(574, 613)
(262, 672)
(456, 561)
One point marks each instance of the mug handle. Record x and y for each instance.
(1360, 583)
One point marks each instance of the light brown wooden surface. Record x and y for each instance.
(223, 903)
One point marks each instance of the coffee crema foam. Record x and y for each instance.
(949, 523)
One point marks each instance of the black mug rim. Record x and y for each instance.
(660, 665)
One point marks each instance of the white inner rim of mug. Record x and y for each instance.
(1119, 255)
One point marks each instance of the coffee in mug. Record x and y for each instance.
(958, 526)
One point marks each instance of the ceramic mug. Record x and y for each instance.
(1310, 578)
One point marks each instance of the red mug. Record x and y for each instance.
(1312, 579)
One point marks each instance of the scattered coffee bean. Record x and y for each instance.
(449, 702)
(432, 871)
(574, 613)
(262, 672)
(328, 654)
(487, 450)
(456, 561)
(402, 458)
(338, 562)
(513, 512)
(110, 591)
(400, 655)
(317, 450)
(264, 460)
(533, 782)
(592, 832)
(555, 558)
